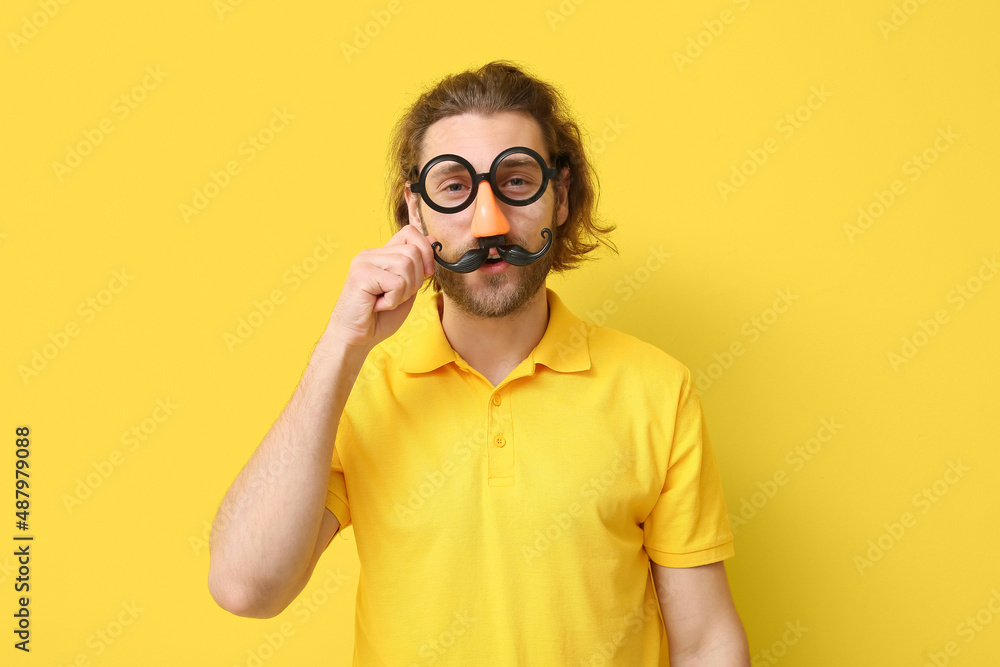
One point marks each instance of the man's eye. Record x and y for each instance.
(519, 183)
(454, 187)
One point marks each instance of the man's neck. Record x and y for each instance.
(495, 346)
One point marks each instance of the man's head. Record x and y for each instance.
(477, 114)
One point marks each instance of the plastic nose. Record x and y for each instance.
(488, 219)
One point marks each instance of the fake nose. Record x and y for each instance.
(488, 219)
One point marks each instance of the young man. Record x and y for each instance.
(526, 488)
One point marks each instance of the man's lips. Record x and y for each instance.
(494, 263)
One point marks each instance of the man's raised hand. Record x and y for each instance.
(380, 288)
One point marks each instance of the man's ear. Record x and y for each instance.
(562, 201)
(413, 207)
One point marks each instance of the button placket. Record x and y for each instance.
(501, 449)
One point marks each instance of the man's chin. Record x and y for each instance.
(492, 295)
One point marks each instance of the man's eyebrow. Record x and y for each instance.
(448, 169)
(518, 161)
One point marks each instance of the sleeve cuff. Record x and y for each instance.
(694, 558)
(339, 508)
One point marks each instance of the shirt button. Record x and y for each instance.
(496, 399)
(500, 442)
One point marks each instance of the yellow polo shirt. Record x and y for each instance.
(513, 525)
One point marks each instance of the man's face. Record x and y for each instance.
(493, 290)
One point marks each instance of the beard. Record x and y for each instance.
(498, 294)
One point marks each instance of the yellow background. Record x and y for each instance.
(665, 132)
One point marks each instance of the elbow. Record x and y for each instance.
(240, 599)
(231, 597)
(724, 644)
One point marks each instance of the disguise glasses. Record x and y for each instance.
(449, 183)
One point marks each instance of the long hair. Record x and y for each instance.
(495, 87)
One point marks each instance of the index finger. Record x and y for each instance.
(410, 234)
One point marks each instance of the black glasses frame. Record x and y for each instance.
(420, 186)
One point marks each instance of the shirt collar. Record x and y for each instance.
(564, 346)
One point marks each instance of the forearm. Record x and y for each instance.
(264, 534)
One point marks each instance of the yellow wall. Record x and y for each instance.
(856, 429)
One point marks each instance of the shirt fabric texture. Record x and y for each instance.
(514, 525)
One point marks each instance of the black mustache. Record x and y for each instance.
(513, 254)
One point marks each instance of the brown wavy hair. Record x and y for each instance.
(495, 87)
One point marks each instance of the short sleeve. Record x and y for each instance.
(689, 524)
(336, 491)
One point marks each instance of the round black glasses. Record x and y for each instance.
(449, 183)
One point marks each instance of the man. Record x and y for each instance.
(526, 489)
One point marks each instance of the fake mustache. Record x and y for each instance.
(513, 254)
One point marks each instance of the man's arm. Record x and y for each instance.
(703, 627)
(271, 526)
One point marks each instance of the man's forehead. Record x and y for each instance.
(480, 138)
